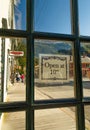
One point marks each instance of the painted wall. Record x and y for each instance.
(4, 23)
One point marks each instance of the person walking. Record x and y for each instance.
(17, 77)
(22, 78)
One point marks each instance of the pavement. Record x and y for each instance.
(48, 119)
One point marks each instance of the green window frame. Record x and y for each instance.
(30, 105)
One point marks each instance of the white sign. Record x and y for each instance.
(16, 53)
(54, 68)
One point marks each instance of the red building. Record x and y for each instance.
(85, 60)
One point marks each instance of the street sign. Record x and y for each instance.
(16, 53)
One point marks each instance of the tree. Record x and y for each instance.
(21, 61)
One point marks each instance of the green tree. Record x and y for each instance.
(21, 46)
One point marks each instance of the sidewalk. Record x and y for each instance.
(51, 119)
(17, 92)
(14, 120)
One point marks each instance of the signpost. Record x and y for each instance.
(53, 68)
(16, 53)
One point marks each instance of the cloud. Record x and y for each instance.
(17, 2)
(18, 18)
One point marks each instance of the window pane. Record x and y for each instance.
(52, 16)
(54, 76)
(55, 119)
(13, 14)
(13, 121)
(84, 17)
(12, 69)
(85, 60)
(87, 117)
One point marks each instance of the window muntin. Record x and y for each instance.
(51, 16)
(29, 116)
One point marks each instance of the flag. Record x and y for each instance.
(17, 2)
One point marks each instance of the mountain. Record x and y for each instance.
(51, 48)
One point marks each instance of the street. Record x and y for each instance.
(51, 119)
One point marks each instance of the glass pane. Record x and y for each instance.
(55, 119)
(13, 121)
(13, 14)
(85, 59)
(12, 69)
(84, 17)
(87, 117)
(52, 16)
(54, 76)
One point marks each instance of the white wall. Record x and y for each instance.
(5, 13)
(4, 7)
(7, 46)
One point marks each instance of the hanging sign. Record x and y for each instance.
(54, 68)
(16, 53)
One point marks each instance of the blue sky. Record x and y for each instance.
(24, 13)
(54, 16)
(21, 6)
(84, 17)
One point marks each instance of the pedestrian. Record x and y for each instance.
(17, 77)
(22, 78)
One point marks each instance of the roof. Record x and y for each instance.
(85, 59)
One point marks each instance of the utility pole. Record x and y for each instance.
(12, 40)
(12, 12)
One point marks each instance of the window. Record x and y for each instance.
(56, 56)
